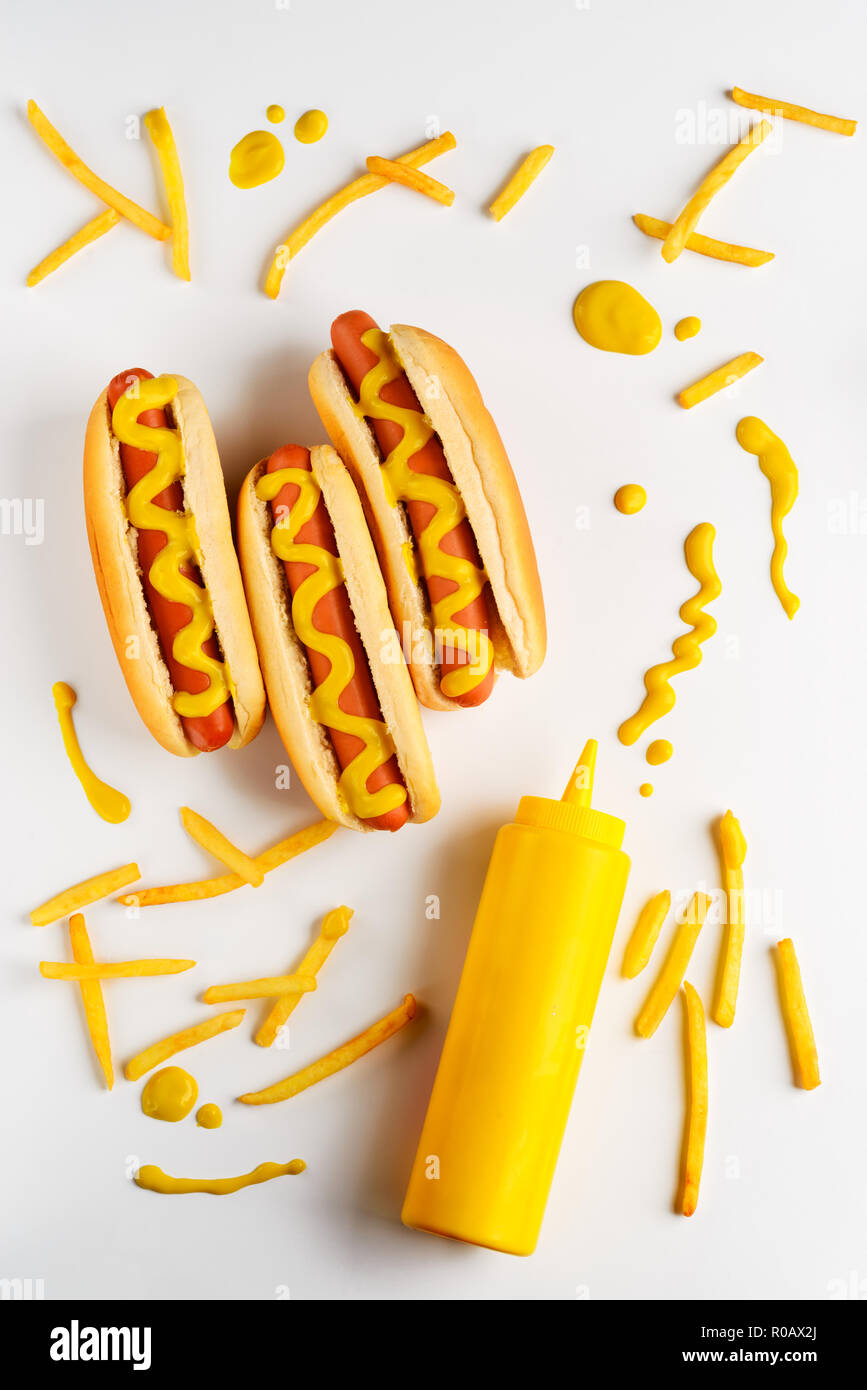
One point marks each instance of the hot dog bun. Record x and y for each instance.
(478, 462)
(284, 659)
(118, 577)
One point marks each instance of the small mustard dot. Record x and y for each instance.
(646, 789)
(275, 114)
(659, 751)
(630, 498)
(687, 328)
(311, 127)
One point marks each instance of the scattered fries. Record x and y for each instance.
(88, 233)
(527, 172)
(338, 1059)
(81, 894)
(159, 1052)
(671, 975)
(158, 128)
(796, 1017)
(645, 933)
(733, 850)
(793, 113)
(213, 887)
(79, 170)
(91, 997)
(114, 970)
(704, 245)
(718, 380)
(334, 925)
(685, 223)
(264, 988)
(696, 1110)
(411, 178)
(359, 188)
(211, 839)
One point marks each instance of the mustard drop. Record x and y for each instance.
(256, 159)
(210, 1116)
(170, 1094)
(106, 801)
(687, 328)
(275, 114)
(777, 464)
(311, 127)
(153, 1179)
(614, 317)
(659, 751)
(646, 789)
(630, 498)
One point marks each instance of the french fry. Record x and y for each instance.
(527, 172)
(796, 1017)
(733, 850)
(696, 1109)
(338, 1059)
(645, 933)
(265, 988)
(79, 170)
(793, 113)
(270, 859)
(718, 380)
(215, 842)
(158, 128)
(81, 894)
(88, 233)
(359, 188)
(158, 1052)
(669, 980)
(91, 997)
(334, 925)
(114, 970)
(704, 245)
(411, 178)
(686, 221)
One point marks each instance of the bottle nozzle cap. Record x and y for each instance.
(542, 811)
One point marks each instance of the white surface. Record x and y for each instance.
(770, 724)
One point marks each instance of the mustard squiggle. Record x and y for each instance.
(155, 393)
(778, 466)
(324, 701)
(405, 485)
(686, 649)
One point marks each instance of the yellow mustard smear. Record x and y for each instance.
(153, 1179)
(630, 498)
(325, 699)
(276, 115)
(686, 649)
(169, 1094)
(612, 316)
(659, 751)
(209, 1116)
(311, 127)
(256, 159)
(779, 468)
(106, 801)
(403, 484)
(687, 328)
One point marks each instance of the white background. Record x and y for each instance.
(633, 97)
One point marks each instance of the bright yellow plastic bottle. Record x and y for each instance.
(519, 1026)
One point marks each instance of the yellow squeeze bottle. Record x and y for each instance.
(519, 1026)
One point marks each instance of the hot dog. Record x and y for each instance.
(166, 569)
(446, 515)
(337, 683)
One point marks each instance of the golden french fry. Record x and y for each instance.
(411, 178)
(338, 1059)
(796, 1017)
(158, 128)
(264, 988)
(79, 170)
(718, 380)
(527, 172)
(668, 981)
(334, 925)
(213, 887)
(733, 851)
(158, 1052)
(359, 188)
(88, 233)
(696, 1110)
(114, 970)
(80, 894)
(91, 997)
(793, 113)
(645, 933)
(704, 245)
(686, 221)
(215, 842)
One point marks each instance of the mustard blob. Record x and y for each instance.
(170, 1094)
(275, 114)
(630, 498)
(659, 751)
(106, 801)
(210, 1116)
(614, 317)
(687, 328)
(256, 159)
(311, 127)
(646, 789)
